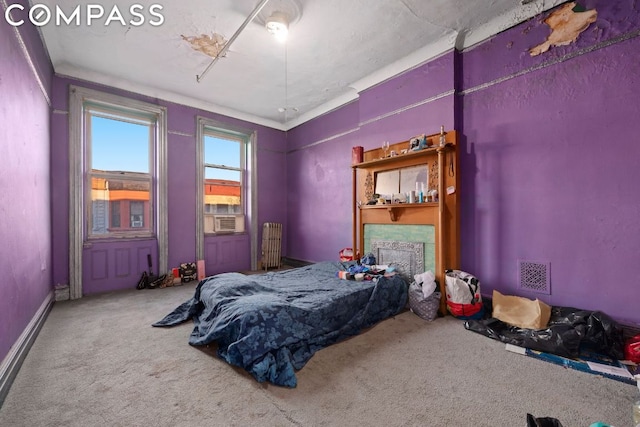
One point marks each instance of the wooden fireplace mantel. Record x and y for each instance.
(443, 171)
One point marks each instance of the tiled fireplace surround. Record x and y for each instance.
(390, 240)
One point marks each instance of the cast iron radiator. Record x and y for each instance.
(271, 244)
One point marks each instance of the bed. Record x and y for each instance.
(271, 324)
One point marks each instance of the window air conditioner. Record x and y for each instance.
(228, 223)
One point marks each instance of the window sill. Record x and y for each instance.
(121, 237)
(226, 234)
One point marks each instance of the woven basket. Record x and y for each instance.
(425, 308)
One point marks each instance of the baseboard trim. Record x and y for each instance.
(629, 331)
(295, 262)
(12, 363)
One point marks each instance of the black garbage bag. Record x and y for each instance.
(568, 332)
(542, 422)
(600, 333)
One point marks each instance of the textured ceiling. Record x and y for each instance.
(335, 49)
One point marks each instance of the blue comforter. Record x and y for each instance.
(271, 324)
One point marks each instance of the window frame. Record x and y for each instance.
(93, 108)
(242, 140)
(78, 95)
(249, 183)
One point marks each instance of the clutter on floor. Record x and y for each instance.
(542, 421)
(569, 332)
(365, 268)
(464, 300)
(591, 363)
(520, 312)
(632, 349)
(185, 273)
(587, 341)
(424, 299)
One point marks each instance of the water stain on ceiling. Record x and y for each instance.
(209, 45)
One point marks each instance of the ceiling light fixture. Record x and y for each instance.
(278, 25)
(286, 109)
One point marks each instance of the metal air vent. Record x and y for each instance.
(534, 276)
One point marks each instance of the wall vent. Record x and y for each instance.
(534, 276)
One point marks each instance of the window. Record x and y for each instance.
(109, 170)
(227, 185)
(137, 214)
(224, 157)
(120, 151)
(115, 214)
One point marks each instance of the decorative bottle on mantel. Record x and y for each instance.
(443, 139)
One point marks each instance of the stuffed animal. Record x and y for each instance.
(418, 142)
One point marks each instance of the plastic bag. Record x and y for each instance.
(346, 254)
(632, 350)
(368, 259)
(569, 330)
(463, 295)
(427, 281)
(542, 422)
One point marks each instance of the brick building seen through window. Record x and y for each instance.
(129, 202)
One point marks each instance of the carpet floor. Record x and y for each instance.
(98, 362)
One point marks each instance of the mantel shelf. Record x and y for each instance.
(410, 154)
(394, 209)
(401, 205)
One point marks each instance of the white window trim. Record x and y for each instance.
(242, 139)
(250, 194)
(78, 96)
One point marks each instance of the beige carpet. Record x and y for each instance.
(98, 362)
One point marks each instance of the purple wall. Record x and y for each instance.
(319, 159)
(182, 126)
(25, 220)
(549, 159)
(550, 163)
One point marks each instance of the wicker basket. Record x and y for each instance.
(425, 308)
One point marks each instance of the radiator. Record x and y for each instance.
(271, 244)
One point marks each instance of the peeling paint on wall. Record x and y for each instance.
(566, 25)
(209, 45)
